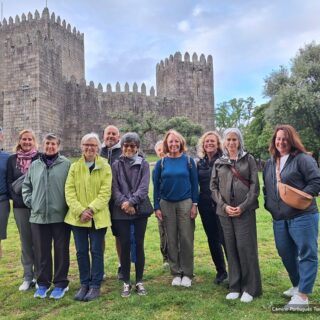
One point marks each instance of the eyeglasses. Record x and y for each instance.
(132, 146)
(88, 145)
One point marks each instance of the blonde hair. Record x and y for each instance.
(183, 145)
(200, 146)
(21, 133)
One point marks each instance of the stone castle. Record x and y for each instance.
(43, 86)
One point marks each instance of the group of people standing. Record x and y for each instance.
(222, 184)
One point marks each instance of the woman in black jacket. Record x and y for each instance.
(209, 150)
(295, 230)
(17, 166)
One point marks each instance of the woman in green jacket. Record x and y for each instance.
(88, 191)
(43, 193)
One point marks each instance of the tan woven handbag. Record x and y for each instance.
(291, 196)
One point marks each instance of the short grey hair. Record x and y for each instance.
(130, 137)
(91, 135)
(238, 133)
(51, 136)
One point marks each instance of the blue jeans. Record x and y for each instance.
(296, 242)
(90, 276)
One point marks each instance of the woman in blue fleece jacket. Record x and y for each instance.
(175, 182)
(4, 198)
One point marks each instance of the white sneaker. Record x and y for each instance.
(246, 297)
(232, 295)
(291, 292)
(297, 302)
(26, 285)
(176, 281)
(186, 282)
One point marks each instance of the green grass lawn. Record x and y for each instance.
(203, 301)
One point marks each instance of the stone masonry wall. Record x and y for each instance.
(42, 85)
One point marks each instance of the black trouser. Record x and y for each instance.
(43, 235)
(123, 230)
(213, 230)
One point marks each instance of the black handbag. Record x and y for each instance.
(144, 207)
(17, 185)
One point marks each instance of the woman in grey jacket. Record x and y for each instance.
(130, 185)
(295, 230)
(235, 189)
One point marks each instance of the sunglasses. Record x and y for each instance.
(127, 145)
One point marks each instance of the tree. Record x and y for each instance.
(295, 96)
(190, 130)
(234, 113)
(149, 126)
(258, 133)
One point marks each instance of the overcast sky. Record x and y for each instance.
(124, 39)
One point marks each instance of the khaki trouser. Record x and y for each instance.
(180, 235)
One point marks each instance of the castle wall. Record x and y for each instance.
(20, 88)
(42, 85)
(90, 109)
(191, 83)
(71, 41)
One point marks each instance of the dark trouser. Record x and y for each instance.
(163, 241)
(240, 235)
(43, 235)
(4, 215)
(123, 229)
(213, 230)
(22, 216)
(90, 275)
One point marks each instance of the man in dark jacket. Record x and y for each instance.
(111, 150)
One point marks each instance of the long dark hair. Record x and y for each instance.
(293, 139)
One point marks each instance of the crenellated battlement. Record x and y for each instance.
(32, 21)
(43, 84)
(176, 59)
(108, 89)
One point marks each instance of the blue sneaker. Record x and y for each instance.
(58, 293)
(41, 292)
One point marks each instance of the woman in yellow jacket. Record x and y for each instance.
(88, 191)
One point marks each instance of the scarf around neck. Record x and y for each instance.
(24, 159)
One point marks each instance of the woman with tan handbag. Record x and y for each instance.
(295, 229)
(235, 189)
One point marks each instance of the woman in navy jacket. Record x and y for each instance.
(295, 230)
(209, 150)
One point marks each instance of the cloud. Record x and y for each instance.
(247, 39)
(183, 26)
(197, 11)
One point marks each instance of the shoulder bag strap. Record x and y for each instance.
(278, 170)
(237, 174)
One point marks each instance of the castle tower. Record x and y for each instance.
(37, 54)
(191, 84)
